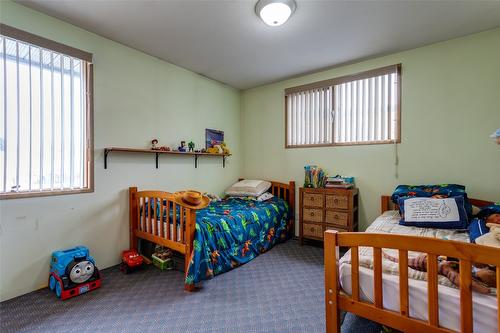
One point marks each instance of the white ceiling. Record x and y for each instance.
(226, 41)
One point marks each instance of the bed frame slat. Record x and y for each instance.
(162, 216)
(154, 231)
(498, 298)
(182, 224)
(174, 222)
(432, 290)
(465, 296)
(404, 308)
(355, 272)
(377, 276)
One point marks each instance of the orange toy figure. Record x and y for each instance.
(270, 234)
(246, 248)
(215, 256)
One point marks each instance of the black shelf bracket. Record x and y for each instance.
(224, 161)
(106, 152)
(157, 156)
(195, 161)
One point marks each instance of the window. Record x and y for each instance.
(363, 108)
(46, 144)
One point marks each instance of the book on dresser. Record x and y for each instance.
(321, 209)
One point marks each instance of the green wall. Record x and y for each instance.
(450, 105)
(137, 97)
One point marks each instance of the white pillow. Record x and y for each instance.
(248, 188)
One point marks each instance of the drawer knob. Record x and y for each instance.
(312, 213)
(336, 201)
(312, 198)
(336, 217)
(312, 229)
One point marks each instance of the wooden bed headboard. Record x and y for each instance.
(387, 204)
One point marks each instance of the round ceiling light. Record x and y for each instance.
(275, 12)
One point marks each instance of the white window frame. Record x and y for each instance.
(87, 98)
(332, 114)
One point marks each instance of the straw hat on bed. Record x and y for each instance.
(191, 199)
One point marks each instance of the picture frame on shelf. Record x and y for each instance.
(213, 137)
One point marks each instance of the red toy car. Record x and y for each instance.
(131, 261)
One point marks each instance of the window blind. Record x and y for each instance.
(358, 109)
(309, 116)
(44, 119)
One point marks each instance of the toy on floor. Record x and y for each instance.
(73, 272)
(131, 261)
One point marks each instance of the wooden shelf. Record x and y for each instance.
(160, 152)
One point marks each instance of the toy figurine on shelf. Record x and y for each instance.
(182, 147)
(154, 144)
(131, 261)
(164, 148)
(191, 146)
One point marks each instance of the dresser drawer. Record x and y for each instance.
(313, 200)
(335, 217)
(337, 201)
(312, 215)
(312, 230)
(332, 227)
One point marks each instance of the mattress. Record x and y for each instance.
(484, 306)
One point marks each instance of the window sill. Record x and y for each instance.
(20, 195)
(341, 144)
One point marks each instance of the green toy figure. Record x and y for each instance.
(191, 146)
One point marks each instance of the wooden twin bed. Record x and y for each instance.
(337, 299)
(176, 230)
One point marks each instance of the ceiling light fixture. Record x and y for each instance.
(275, 12)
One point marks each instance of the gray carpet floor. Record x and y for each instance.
(279, 291)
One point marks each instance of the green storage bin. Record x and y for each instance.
(162, 264)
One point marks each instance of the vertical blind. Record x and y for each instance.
(43, 133)
(364, 109)
(310, 117)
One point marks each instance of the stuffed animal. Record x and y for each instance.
(225, 150)
(212, 150)
(481, 281)
(219, 149)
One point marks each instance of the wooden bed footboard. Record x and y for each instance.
(169, 224)
(466, 254)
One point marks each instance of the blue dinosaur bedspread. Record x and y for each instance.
(232, 232)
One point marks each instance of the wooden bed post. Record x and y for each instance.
(133, 214)
(291, 202)
(385, 202)
(190, 229)
(331, 282)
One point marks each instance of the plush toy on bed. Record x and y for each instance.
(485, 228)
(483, 279)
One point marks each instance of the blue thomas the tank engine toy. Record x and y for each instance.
(73, 272)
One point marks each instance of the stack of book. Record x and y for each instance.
(337, 182)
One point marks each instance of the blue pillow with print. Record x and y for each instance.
(439, 213)
(477, 228)
(432, 191)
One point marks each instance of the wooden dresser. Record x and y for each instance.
(321, 209)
